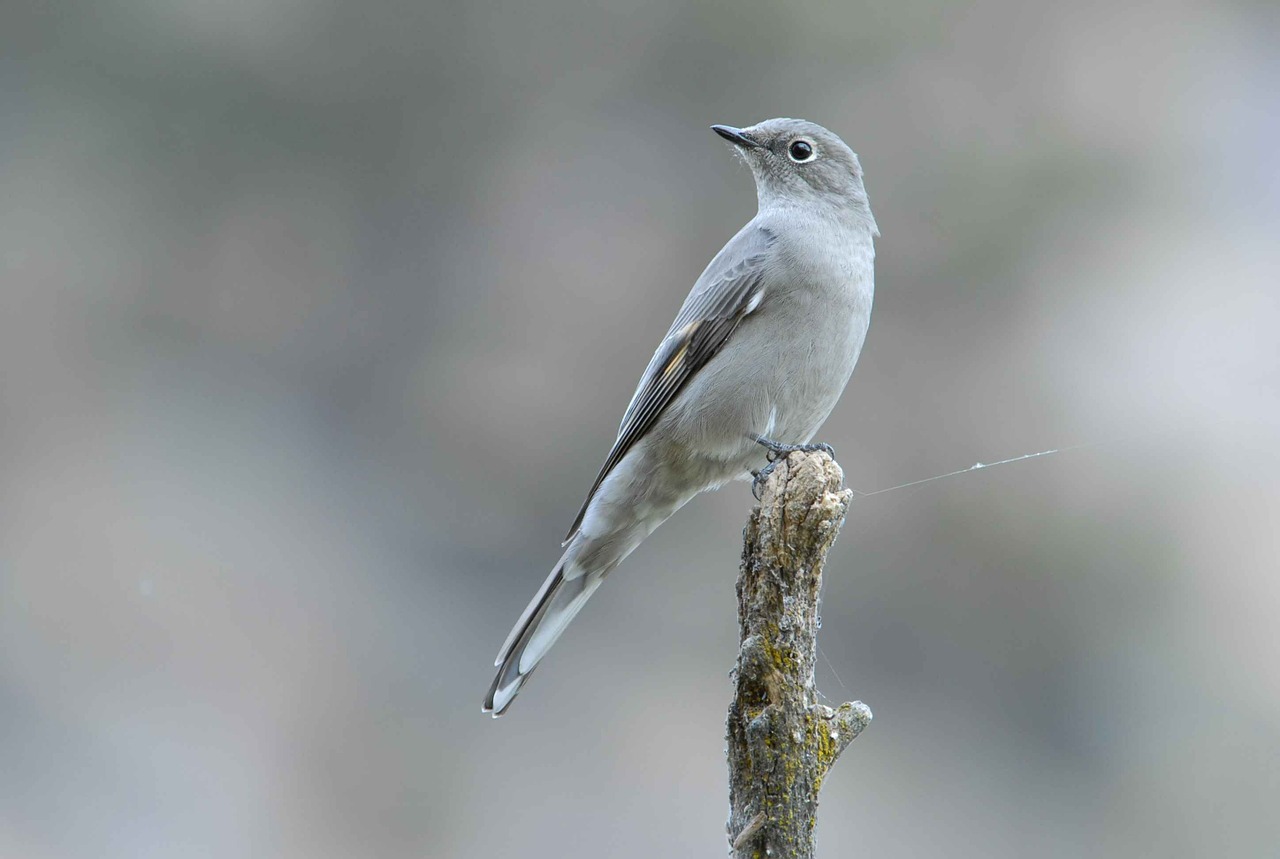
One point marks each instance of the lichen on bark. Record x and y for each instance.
(781, 741)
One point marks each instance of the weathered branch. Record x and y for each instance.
(781, 740)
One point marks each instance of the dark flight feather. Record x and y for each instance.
(729, 289)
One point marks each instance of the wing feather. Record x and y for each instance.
(730, 289)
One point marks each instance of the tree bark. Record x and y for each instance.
(781, 741)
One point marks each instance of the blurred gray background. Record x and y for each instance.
(319, 317)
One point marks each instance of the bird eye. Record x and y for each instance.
(801, 151)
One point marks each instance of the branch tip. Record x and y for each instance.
(781, 742)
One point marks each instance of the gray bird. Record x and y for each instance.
(753, 364)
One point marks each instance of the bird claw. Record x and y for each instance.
(776, 448)
(761, 477)
(773, 452)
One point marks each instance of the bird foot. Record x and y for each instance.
(775, 451)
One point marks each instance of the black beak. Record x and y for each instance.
(737, 137)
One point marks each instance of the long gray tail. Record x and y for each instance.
(558, 601)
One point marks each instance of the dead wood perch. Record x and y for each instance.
(781, 741)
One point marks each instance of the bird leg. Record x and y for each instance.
(774, 451)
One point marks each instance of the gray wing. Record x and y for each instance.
(731, 287)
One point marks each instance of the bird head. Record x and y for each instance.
(799, 162)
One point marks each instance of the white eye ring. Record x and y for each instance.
(801, 150)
